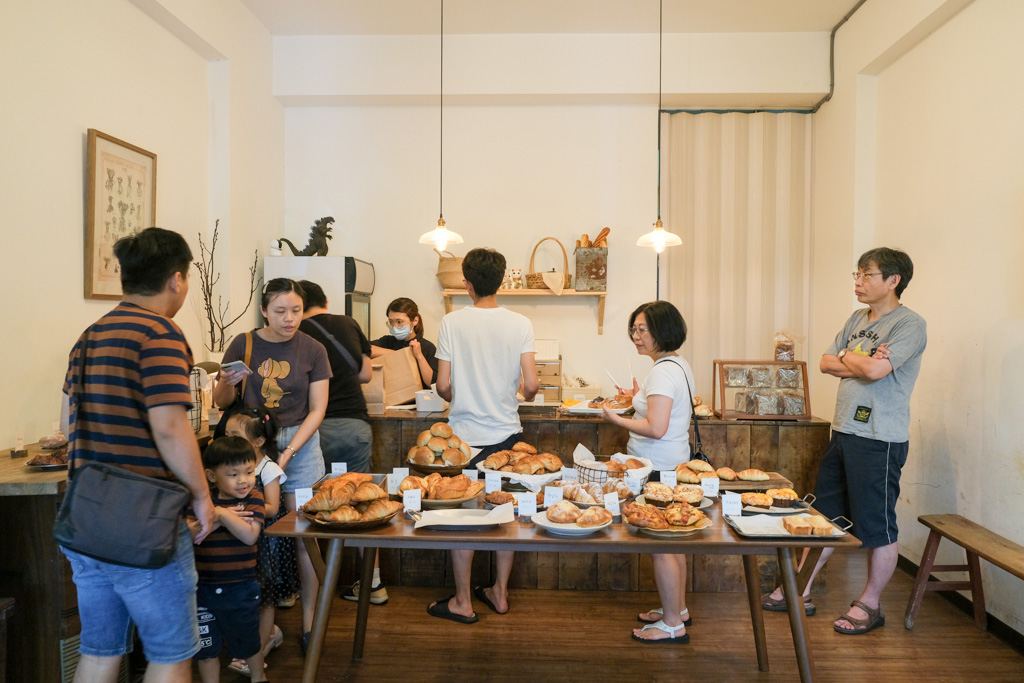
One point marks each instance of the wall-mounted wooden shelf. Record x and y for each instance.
(449, 293)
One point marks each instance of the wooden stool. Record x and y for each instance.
(978, 542)
(6, 609)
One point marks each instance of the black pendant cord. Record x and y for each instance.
(661, 19)
(441, 173)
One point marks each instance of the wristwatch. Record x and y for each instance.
(842, 353)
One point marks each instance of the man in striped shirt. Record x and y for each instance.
(136, 366)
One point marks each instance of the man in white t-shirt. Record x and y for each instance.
(484, 352)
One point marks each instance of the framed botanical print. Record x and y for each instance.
(120, 200)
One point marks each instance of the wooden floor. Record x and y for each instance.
(585, 636)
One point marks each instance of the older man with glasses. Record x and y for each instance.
(877, 357)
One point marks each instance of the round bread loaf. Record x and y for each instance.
(437, 444)
(615, 468)
(563, 512)
(454, 457)
(634, 464)
(423, 438)
(441, 429)
(454, 441)
(464, 447)
(423, 456)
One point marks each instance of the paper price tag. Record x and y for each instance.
(339, 467)
(611, 503)
(527, 503)
(731, 505)
(411, 499)
(710, 486)
(398, 474)
(570, 474)
(471, 474)
(635, 484)
(302, 496)
(492, 482)
(552, 494)
(668, 478)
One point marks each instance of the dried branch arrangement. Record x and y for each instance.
(217, 314)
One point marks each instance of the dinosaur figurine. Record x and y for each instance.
(318, 236)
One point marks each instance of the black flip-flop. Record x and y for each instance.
(481, 595)
(441, 610)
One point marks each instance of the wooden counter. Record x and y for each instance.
(789, 447)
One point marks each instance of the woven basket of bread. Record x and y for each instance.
(449, 270)
(536, 280)
(600, 474)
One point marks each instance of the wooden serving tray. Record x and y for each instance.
(775, 481)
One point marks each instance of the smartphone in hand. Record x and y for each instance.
(236, 366)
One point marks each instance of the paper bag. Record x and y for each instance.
(373, 391)
(401, 377)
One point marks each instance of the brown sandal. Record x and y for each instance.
(875, 619)
(770, 604)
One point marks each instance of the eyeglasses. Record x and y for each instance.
(862, 276)
(633, 331)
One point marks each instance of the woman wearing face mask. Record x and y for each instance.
(406, 330)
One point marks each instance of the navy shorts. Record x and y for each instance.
(859, 479)
(505, 445)
(229, 613)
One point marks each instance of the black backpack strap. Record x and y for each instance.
(345, 354)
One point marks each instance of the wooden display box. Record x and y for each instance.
(761, 390)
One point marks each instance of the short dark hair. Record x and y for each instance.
(409, 307)
(256, 422)
(279, 285)
(484, 269)
(664, 322)
(148, 258)
(890, 262)
(228, 450)
(312, 295)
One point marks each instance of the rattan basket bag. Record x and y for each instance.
(535, 280)
(449, 270)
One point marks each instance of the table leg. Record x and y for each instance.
(753, 577)
(313, 550)
(322, 615)
(797, 620)
(363, 609)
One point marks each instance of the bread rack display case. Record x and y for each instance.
(761, 390)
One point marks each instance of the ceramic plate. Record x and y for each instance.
(541, 520)
(676, 531)
(583, 409)
(704, 503)
(427, 504)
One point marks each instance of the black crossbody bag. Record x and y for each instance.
(697, 452)
(115, 515)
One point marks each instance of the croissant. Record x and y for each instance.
(474, 488)
(726, 474)
(700, 466)
(684, 475)
(524, 447)
(595, 491)
(346, 513)
(368, 491)
(330, 498)
(506, 468)
(413, 482)
(496, 461)
(576, 493)
(595, 516)
(528, 465)
(355, 477)
(451, 488)
(707, 475)
(753, 475)
(379, 509)
(618, 486)
(563, 512)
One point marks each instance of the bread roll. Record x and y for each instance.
(688, 493)
(700, 466)
(423, 456)
(753, 475)
(684, 475)
(726, 474)
(496, 461)
(454, 441)
(464, 447)
(615, 468)
(634, 464)
(595, 516)
(437, 444)
(453, 457)
(524, 447)
(423, 438)
(563, 512)
(441, 429)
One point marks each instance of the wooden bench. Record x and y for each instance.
(980, 543)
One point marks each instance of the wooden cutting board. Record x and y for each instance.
(775, 481)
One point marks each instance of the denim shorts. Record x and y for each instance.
(306, 467)
(229, 613)
(161, 603)
(347, 440)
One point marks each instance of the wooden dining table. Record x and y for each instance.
(718, 539)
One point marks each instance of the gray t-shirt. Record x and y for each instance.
(880, 409)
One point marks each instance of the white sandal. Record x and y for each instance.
(670, 630)
(685, 614)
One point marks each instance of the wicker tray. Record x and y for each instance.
(535, 280)
(352, 526)
(443, 470)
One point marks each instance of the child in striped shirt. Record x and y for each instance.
(228, 595)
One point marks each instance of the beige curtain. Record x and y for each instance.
(737, 189)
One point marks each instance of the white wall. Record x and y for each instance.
(924, 133)
(140, 73)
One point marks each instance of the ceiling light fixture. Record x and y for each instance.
(659, 238)
(441, 236)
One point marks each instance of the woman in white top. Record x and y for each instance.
(659, 430)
